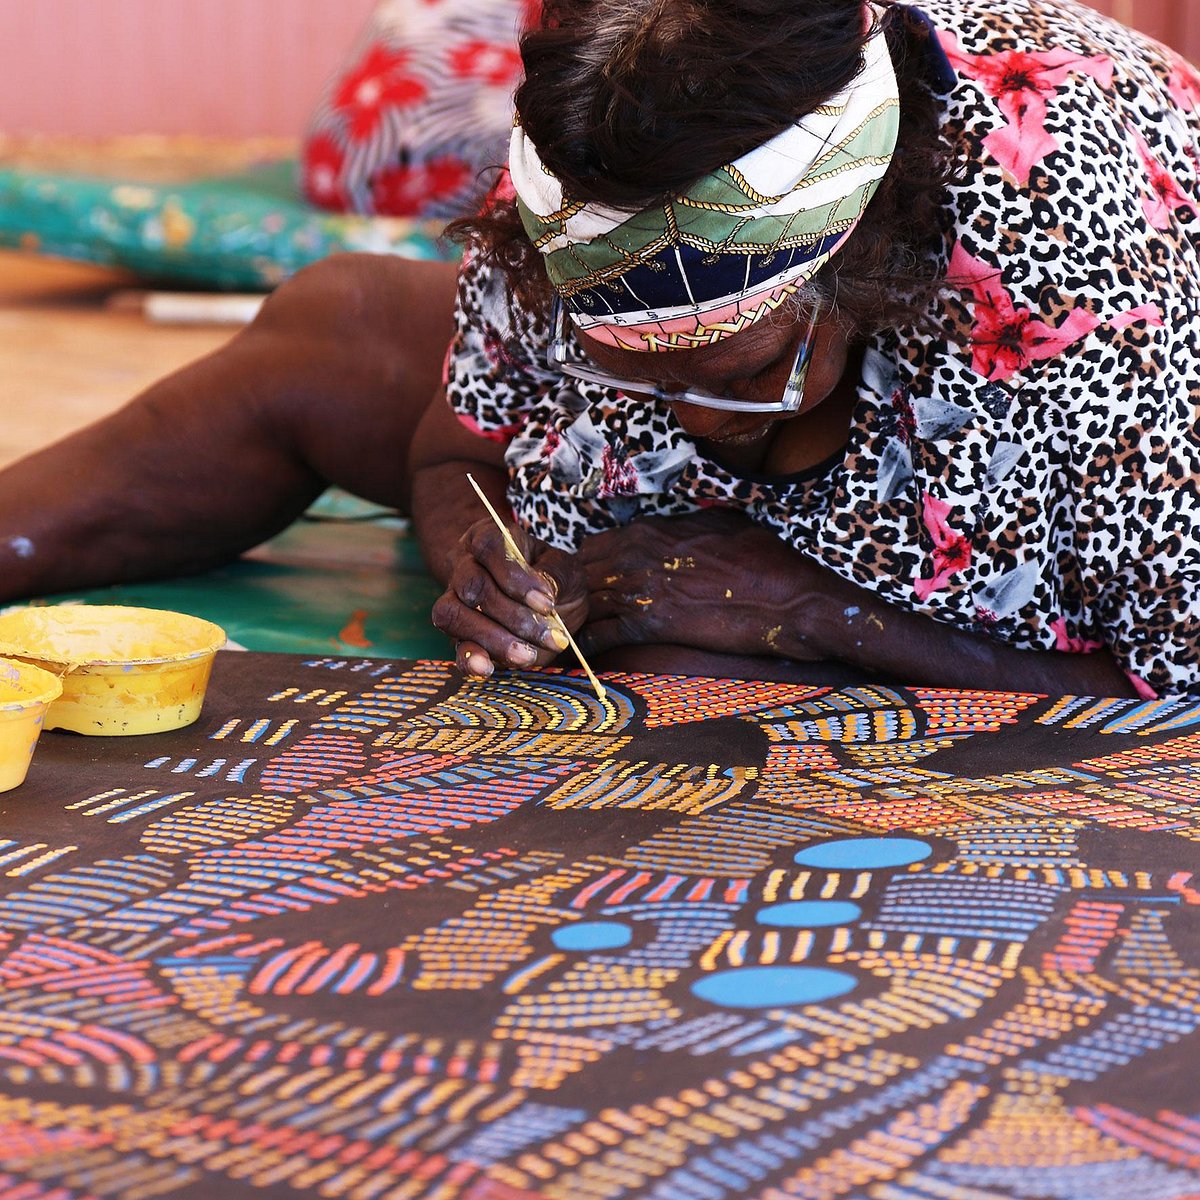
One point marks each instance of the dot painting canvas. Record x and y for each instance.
(372, 931)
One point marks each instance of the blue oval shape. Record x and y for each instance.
(772, 987)
(809, 914)
(864, 854)
(592, 935)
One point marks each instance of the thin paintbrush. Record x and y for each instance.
(518, 557)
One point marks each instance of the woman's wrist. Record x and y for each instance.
(823, 616)
(445, 507)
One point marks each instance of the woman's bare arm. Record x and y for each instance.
(716, 582)
(326, 386)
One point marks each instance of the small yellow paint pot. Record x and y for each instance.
(124, 670)
(26, 692)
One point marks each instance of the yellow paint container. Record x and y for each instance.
(124, 670)
(26, 692)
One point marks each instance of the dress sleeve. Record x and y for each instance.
(1150, 610)
(495, 368)
(1136, 500)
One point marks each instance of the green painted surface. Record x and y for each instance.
(323, 586)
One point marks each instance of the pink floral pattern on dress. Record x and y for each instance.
(1007, 338)
(1068, 643)
(1143, 689)
(1184, 84)
(951, 550)
(1020, 82)
(1163, 194)
(620, 475)
(1150, 313)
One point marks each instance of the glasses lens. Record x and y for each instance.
(565, 354)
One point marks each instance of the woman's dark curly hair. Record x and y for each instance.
(628, 101)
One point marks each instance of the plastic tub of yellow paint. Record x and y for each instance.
(26, 692)
(124, 670)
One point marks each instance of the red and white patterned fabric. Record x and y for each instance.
(422, 106)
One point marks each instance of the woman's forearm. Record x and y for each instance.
(444, 504)
(445, 507)
(842, 621)
(717, 582)
(326, 386)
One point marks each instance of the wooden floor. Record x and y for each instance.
(66, 359)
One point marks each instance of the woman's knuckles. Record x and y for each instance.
(448, 613)
(469, 586)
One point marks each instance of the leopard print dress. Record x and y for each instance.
(1031, 470)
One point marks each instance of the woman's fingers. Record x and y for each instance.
(498, 609)
(503, 613)
(473, 659)
(477, 591)
(484, 543)
(568, 583)
(480, 629)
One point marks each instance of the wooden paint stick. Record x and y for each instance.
(515, 552)
(188, 308)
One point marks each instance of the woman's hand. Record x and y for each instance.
(717, 582)
(498, 611)
(713, 580)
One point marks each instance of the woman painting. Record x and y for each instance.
(796, 331)
(832, 331)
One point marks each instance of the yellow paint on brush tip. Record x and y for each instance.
(123, 670)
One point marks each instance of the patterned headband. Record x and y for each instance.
(719, 256)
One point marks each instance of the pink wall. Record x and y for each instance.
(220, 67)
(238, 67)
(1176, 22)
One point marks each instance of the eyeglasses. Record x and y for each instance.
(561, 348)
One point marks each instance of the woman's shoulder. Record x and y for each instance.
(1078, 188)
(1091, 69)
(1038, 26)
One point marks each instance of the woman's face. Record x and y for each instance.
(752, 365)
